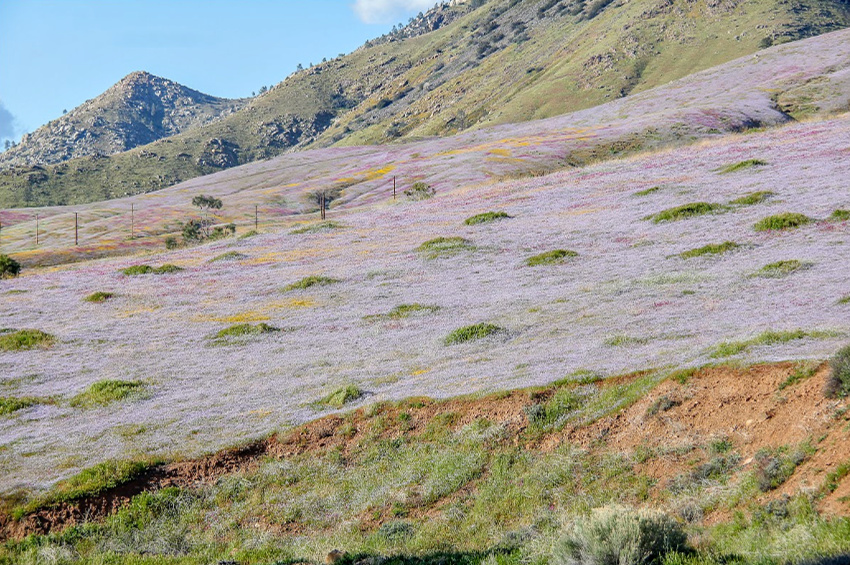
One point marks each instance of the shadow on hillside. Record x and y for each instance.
(837, 560)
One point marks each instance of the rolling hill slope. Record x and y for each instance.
(506, 61)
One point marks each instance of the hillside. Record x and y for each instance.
(141, 108)
(503, 62)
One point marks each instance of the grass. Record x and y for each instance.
(838, 383)
(743, 165)
(802, 372)
(550, 257)
(648, 191)
(625, 341)
(710, 249)
(250, 233)
(307, 282)
(729, 348)
(229, 256)
(781, 269)
(472, 333)
(485, 218)
(775, 466)
(98, 297)
(840, 215)
(785, 221)
(242, 330)
(136, 270)
(686, 211)
(834, 478)
(342, 396)
(317, 227)
(444, 246)
(22, 340)
(752, 198)
(10, 404)
(106, 392)
(405, 311)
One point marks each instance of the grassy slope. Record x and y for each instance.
(567, 63)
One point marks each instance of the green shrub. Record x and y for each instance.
(240, 330)
(686, 211)
(317, 227)
(550, 257)
(471, 333)
(802, 371)
(395, 531)
(8, 267)
(405, 311)
(342, 396)
(441, 246)
(775, 466)
(248, 234)
(769, 337)
(838, 382)
(419, 191)
(148, 270)
(786, 221)
(167, 269)
(99, 296)
(617, 535)
(553, 414)
(661, 404)
(748, 164)
(648, 191)
(752, 198)
(312, 280)
(710, 249)
(229, 256)
(840, 215)
(22, 340)
(781, 269)
(107, 391)
(835, 477)
(171, 242)
(485, 217)
(9, 404)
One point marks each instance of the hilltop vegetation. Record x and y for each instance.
(493, 63)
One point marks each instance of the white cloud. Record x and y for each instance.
(388, 11)
(7, 122)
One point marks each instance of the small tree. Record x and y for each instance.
(9, 267)
(203, 226)
(419, 191)
(323, 197)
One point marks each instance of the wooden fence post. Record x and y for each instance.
(132, 221)
(256, 217)
(76, 230)
(393, 188)
(36, 229)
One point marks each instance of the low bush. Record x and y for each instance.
(148, 270)
(342, 396)
(419, 191)
(550, 257)
(648, 191)
(472, 333)
(769, 337)
(686, 211)
(8, 267)
(710, 249)
(485, 217)
(317, 227)
(775, 466)
(785, 221)
(752, 198)
(250, 233)
(661, 404)
(229, 256)
(405, 311)
(240, 330)
(553, 414)
(781, 269)
(617, 535)
(442, 246)
(312, 280)
(99, 296)
(9, 404)
(743, 165)
(840, 215)
(838, 382)
(22, 340)
(106, 392)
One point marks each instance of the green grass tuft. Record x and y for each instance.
(444, 246)
(729, 348)
(710, 249)
(404, 311)
(686, 211)
(550, 257)
(752, 198)
(471, 333)
(648, 191)
(838, 383)
(802, 371)
(240, 330)
(248, 234)
(485, 217)
(312, 280)
(99, 296)
(342, 396)
(786, 221)
(781, 269)
(317, 227)
(9, 404)
(148, 270)
(743, 165)
(22, 340)
(106, 392)
(840, 215)
(229, 256)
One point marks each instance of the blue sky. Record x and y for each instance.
(55, 54)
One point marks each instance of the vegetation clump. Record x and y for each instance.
(661, 404)
(769, 337)
(166, 269)
(781, 269)
(775, 466)
(240, 330)
(752, 198)
(250, 233)
(405, 311)
(686, 211)
(485, 217)
(552, 414)
(838, 382)
(99, 296)
(312, 280)
(550, 257)
(22, 340)
(472, 333)
(442, 246)
(317, 227)
(8, 267)
(648, 191)
(619, 535)
(342, 396)
(419, 191)
(743, 165)
(785, 221)
(710, 249)
(9, 404)
(229, 256)
(840, 215)
(106, 392)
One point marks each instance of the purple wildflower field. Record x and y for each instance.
(628, 301)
